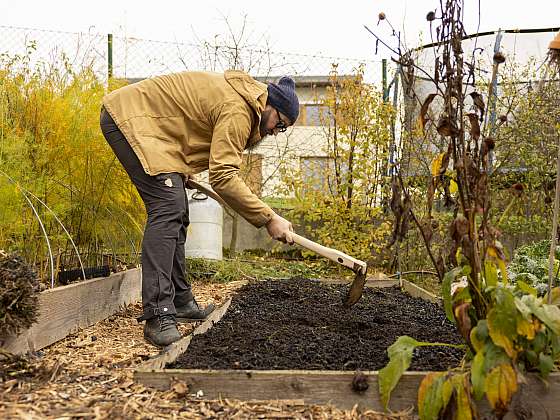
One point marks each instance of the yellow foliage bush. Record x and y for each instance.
(53, 156)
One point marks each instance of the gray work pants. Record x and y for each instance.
(163, 246)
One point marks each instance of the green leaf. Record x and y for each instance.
(546, 364)
(502, 321)
(539, 343)
(531, 357)
(478, 335)
(462, 398)
(478, 375)
(400, 356)
(555, 345)
(490, 274)
(525, 288)
(523, 308)
(503, 270)
(446, 292)
(548, 314)
(433, 395)
(494, 356)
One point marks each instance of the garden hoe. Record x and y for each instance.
(358, 267)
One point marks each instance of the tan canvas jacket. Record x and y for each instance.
(192, 121)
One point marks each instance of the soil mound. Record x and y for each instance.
(302, 324)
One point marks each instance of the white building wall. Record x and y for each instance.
(285, 150)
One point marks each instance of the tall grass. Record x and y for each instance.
(52, 152)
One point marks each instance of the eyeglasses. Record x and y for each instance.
(280, 125)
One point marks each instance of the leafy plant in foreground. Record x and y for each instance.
(508, 329)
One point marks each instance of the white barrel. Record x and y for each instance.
(204, 234)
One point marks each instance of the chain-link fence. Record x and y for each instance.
(134, 58)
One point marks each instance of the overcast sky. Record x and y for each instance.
(310, 27)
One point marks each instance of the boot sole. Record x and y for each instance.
(188, 320)
(161, 346)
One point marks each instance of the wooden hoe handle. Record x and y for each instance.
(332, 254)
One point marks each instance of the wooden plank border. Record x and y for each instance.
(417, 291)
(63, 310)
(312, 387)
(335, 387)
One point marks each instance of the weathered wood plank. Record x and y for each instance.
(417, 291)
(313, 387)
(332, 387)
(174, 350)
(370, 282)
(64, 310)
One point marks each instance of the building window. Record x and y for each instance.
(314, 115)
(317, 172)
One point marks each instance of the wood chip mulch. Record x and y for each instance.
(88, 375)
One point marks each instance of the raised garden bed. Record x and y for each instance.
(219, 369)
(64, 310)
(301, 324)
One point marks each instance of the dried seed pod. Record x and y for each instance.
(499, 58)
(517, 189)
(478, 102)
(446, 127)
(459, 228)
(431, 16)
(555, 43)
(382, 16)
(490, 142)
(360, 382)
(488, 145)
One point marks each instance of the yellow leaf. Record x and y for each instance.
(436, 164)
(503, 270)
(433, 395)
(525, 328)
(501, 328)
(453, 188)
(475, 341)
(464, 409)
(555, 299)
(500, 385)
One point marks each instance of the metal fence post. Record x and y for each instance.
(384, 79)
(494, 95)
(109, 56)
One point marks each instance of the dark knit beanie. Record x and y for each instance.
(282, 96)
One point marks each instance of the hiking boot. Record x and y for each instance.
(161, 331)
(191, 312)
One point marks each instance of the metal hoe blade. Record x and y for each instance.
(357, 286)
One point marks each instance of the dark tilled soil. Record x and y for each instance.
(301, 324)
